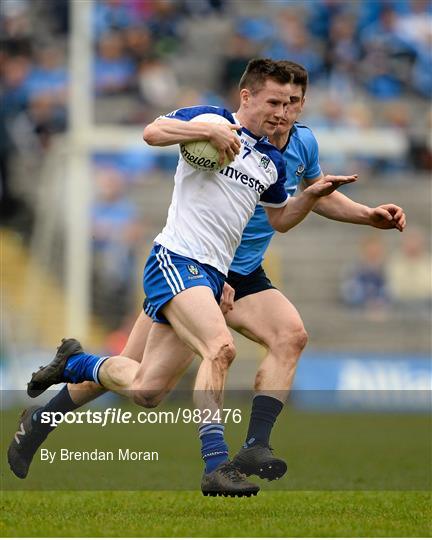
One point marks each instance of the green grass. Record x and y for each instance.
(186, 513)
(325, 452)
(354, 475)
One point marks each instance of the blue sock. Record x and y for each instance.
(265, 410)
(83, 367)
(214, 449)
(61, 402)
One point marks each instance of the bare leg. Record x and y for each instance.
(158, 372)
(87, 391)
(111, 373)
(206, 335)
(125, 376)
(270, 319)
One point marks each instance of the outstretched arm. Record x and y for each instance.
(339, 207)
(297, 208)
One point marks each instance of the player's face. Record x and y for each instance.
(262, 111)
(292, 111)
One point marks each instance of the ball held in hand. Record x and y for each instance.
(202, 155)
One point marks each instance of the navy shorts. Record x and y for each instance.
(251, 283)
(167, 274)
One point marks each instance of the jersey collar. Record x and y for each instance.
(251, 135)
(292, 130)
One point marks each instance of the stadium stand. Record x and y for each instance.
(370, 69)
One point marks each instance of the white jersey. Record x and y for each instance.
(209, 210)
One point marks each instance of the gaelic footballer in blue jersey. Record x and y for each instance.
(276, 324)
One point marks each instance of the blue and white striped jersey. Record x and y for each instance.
(301, 158)
(209, 210)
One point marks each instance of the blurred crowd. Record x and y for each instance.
(375, 50)
(383, 280)
(369, 61)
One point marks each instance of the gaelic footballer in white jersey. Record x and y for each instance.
(209, 210)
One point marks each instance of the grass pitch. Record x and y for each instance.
(349, 475)
(189, 514)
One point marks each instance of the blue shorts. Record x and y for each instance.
(167, 274)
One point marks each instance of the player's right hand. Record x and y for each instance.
(329, 183)
(225, 139)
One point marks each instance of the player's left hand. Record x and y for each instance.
(329, 183)
(227, 299)
(388, 216)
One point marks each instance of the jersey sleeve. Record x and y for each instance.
(187, 113)
(313, 169)
(275, 196)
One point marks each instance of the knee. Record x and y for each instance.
(289, 343)
(223, 353)
(300, 338)
(148, 398)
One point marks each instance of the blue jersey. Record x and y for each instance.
(301, 158)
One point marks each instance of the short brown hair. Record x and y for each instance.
(259, 70)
